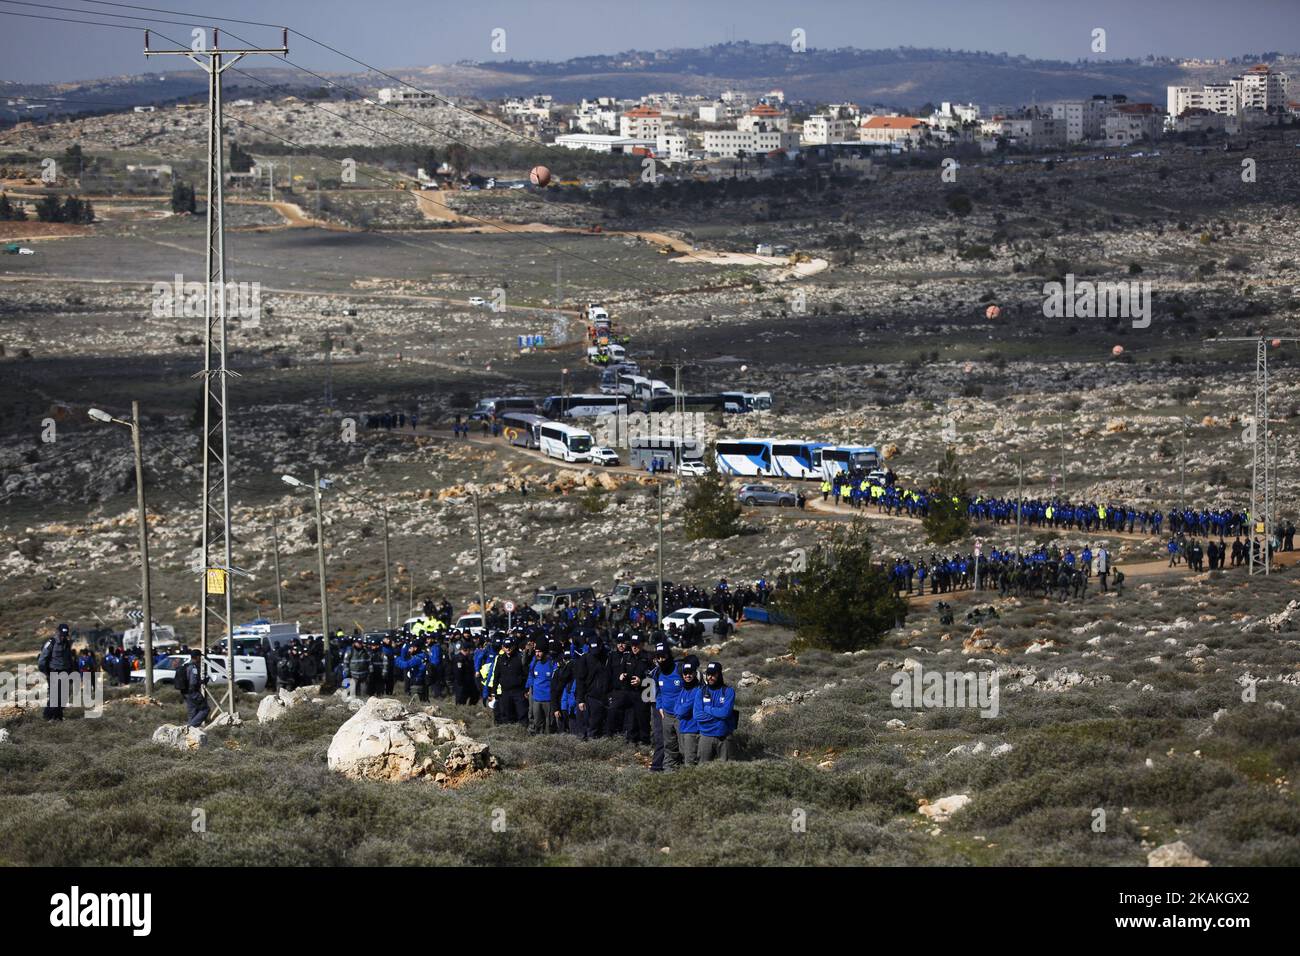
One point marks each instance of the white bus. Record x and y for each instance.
(583, 406)
(741, 402)
(671, 449)
(564, 442)
(839, 459)
(796, 459)
(749, 457)
(629, 384)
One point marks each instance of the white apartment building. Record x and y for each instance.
(405, 96)
(1133, 123)
(823, 128)
(730, 143)
(1258, 89)
(763, 117)
(962, 112)
(1034, 131)
(673, 145)
(641, 122)
(1084, 119)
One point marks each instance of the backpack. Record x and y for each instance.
(182, 680)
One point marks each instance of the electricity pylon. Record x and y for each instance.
(217, 600)
(1262, 473)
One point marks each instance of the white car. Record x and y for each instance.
(473, 623)
(250, 672)
(24, 251)
(688, 615)
(601, 455)
(477, 300)
(691, 469)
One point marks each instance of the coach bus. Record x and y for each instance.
(521, 428)
(490, 408)
(838, 459)
(564, 442)
(748, 457)
(674, 450)
(741, 402)
(583, 406)
(690, 403)
(796, 459)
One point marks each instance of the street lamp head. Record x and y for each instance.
(100, 415)
(291, 480)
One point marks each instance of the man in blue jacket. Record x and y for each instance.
(667, 682)
(688, 729)
(414, 664)
(538, 686)
(715, 711)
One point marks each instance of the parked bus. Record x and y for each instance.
(629, 383)
(838, 459)
(748, 457)
(644, 449)
(797, 459)
(520, 428)
(583, 406)
(490, 408)
(741, 402)
(564, 442)
(691, 403)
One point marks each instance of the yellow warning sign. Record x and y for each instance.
(216, 581)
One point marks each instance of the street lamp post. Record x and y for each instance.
(146, 608)
(320, 570)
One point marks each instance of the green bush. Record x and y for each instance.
(843, 602)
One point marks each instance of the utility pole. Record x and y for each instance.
(1020, 498)
(270, 182)
(215, 507)
(320, 572)
(1060, 433)
(279, 596)
(1182, 471)
(146, 609)
(478, 532)
(661, 553)
(146, 622)
(388, 581)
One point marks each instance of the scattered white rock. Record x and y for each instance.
(895, 724)
(180, 737)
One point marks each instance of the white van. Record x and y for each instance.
(250, 672)
(163, 636)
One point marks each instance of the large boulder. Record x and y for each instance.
(943, 808)
(4, 736)
(1174, 854)
(274, 706)
(379, 742)
(180, 737)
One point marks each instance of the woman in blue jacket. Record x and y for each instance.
(715, 712)
(688, 729)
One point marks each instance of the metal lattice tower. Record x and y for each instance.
(1263, 467)
(217, 566)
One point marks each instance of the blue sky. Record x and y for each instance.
(400, 33)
